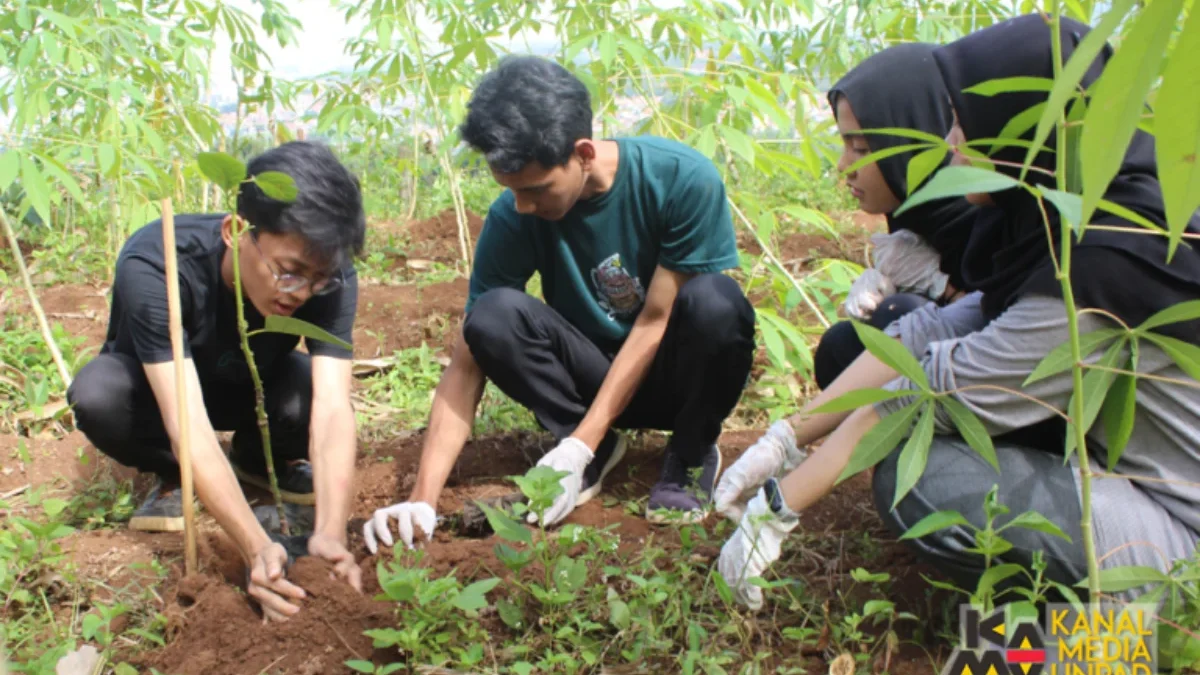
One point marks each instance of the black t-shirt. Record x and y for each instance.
(138, 324)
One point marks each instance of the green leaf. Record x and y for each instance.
(1059, 358)
(880, 441)
(741, 144)
(1066, 85)
(473, 597)
(877, 607)
(293, 326)
(510, 614)
(35, 188)
(1117, 579)
(504, 526)
(1005, 85)
(1183, 311)
(618, 614)
(907, 133)
(884, 154)
(923, 164)
(53, 507)
(853, 400)
(1096, 384)
(108, 157)
(1070, 206)
(939, 520)
(360, 666)
(706, 141)
(1118, 98)
(775, 347)
(277, 185)
(91, 624)
(10, 166)
(608, 49)
(1177, 130)
(1032, 520)
(1130, 215)
(956, 181)
(914, 456)
(1185, 354)
(971, 429)
(995, 575)
(892, 353)
(221, 169)
(1117, 416)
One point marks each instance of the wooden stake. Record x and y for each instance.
(181, 407)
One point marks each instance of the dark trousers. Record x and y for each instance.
(116, 409)
(839, 346)
(547, 365)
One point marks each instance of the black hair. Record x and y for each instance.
(528, 109)
(328, 210)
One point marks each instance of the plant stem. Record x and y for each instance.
(47, 334)
(259, 405)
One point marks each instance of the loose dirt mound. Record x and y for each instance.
(399, 317)
(436, 238)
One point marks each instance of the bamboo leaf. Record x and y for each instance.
(956, 181)
(971, 429)
(10, 166)
(884, 154)
(1183, 311)
(1005, 85)
(924, 164)
(1185, 354)
(880, 441)
(1119, 96)
(994, 575)
(35, 188)
(892, 353)
(293, 326)
(914, 456)
(1117, 579)
(1032, 520)
(739, 142)
(907, 133)
(1177, 130)
(1117, 415)
(1096, 384)
(853, 400)
(277, 185)
(933, 522)
(1059, 358)
(221, 169)
(1070, 206)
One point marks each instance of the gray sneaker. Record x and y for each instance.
(161, 511)
(680, 496)
(607, 456)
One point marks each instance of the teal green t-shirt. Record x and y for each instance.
(666, 207)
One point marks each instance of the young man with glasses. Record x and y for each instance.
(295, 260)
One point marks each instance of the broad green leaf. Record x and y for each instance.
(1183, 311)
(474, 597)
(924, 164)
(504, 526)
(1117, 416)
(853, 400)
(880, 441)
(971, 429)
(293, 326)
(1070, 206)
(956, 181)
(35, 188)
(706, 142)
(892, 353)
(994, 575)
(107, 156)
(1059, 358)
(739, 142)
(1096, 384)
(1185, 354)
(360, 666)
(884, 154)
(1032, 520)
(915, 455)
(10, 166)
(618, 614)
(221, 169)
(1119, 98)
(1005, 85)
(277, 185)
(1177, 130)
(1067, 83)
(608, 49)
(1117, 579)
(878, 607)
(939, 520)
(775, 348)
(53, 507)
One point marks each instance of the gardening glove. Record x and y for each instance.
(753, 547)
(407, 514)
(912, 265)
(773, 455)
(867, 291)
(571, 455)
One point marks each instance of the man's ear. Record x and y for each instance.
(586, 149)
(227, 230)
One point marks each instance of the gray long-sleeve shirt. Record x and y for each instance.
(958, 348)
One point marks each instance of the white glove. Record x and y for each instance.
(910, 264)
(753, 547)
(774, 454)
(406, 514)
(571, 455)
(867, 291)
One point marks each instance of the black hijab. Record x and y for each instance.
(900, 87)
(1007, 254)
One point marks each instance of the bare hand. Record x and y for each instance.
(344, 565)
(270, 587)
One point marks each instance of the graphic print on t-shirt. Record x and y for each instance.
(620, 293)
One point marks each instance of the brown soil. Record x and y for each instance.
(436, 238)
(399, 317)
(82, 309)
(69, 463)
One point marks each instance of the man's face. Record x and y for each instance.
(272, 265)
(546, 193)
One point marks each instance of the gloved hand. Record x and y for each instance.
(571, 455)
(867, 291)
(753, 547)
(912, 265)
(406, 514)
(775, 454)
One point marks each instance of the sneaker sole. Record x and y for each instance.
(618, 454)
(156, 524)
(672, 517)
(309, 499)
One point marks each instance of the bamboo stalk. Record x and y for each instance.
(33, 302)
(181, 407)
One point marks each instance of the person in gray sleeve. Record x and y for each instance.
(984, 347)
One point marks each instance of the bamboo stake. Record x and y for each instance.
(33, 302)
(181, 407)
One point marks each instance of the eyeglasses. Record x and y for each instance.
(290, 283)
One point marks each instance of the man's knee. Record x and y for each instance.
(492, 317)
(101, 395)
(289, 396)
(714, 305)
(895, 306)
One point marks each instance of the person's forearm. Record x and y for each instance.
(626, 374)
(332, 451)
(219, 491)
(866, 372)
(450, 421)
(815, 477)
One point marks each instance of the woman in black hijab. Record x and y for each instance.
(918, 260)
(1147, 512)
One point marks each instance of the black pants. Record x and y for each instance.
(547, 365)
(839, 346)
(116, 409)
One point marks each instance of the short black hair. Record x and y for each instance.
(527, 109)
(328, 210)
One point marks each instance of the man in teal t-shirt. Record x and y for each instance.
(639, 329)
